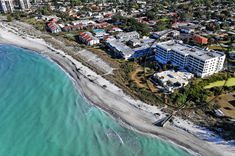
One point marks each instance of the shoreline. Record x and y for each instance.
(120, 108)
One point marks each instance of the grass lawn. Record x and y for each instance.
(164, 19)
(217, 47)
(71, 36)
(229, 83)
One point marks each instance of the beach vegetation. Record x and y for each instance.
(194, 94)
(138, 88)
(39, 25)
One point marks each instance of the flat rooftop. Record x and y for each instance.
(120, 47)
(173, 77)
(127, 34)
(143, 47)
(185, 50)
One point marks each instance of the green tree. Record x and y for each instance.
(181, 98)
(151, 15)
(75, 2)
(46, 10)
(9, 18)
(176, 68)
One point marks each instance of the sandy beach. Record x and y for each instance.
(131, 113)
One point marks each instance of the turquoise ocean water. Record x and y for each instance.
(42, 114)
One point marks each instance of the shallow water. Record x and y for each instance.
(42, 114)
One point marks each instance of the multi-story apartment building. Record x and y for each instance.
(88, 38)
(199, 61)
(6, 6)
(24, 4)
(9, 5)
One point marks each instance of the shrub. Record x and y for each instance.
(9, 18)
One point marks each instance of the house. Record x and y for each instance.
(62, 9)
(151, 23)
(102, 25)
(70, 27)
(172, 80)
(100, 33)
(200, 39)
(184, 27)
(115, 29)
(83, 22)
(88, 38)
(187, 29)
(122, 13)
(52, 27)
(108, 15)
(128, 36)
(98, 17)
(66, 28)
(109, 37)
(177, 25)
(165, 33)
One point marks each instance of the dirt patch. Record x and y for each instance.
(227, 104)
(137, 77)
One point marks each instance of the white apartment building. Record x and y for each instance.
(6, 6)
(24, 4)
(199, 61)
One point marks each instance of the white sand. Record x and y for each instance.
(112, 99)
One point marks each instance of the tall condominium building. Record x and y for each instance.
(24, 4)
(199, 61)
(6, 6)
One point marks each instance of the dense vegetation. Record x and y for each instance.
(144, 94)
(199, 9)
(198, 94)
(131, 24)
